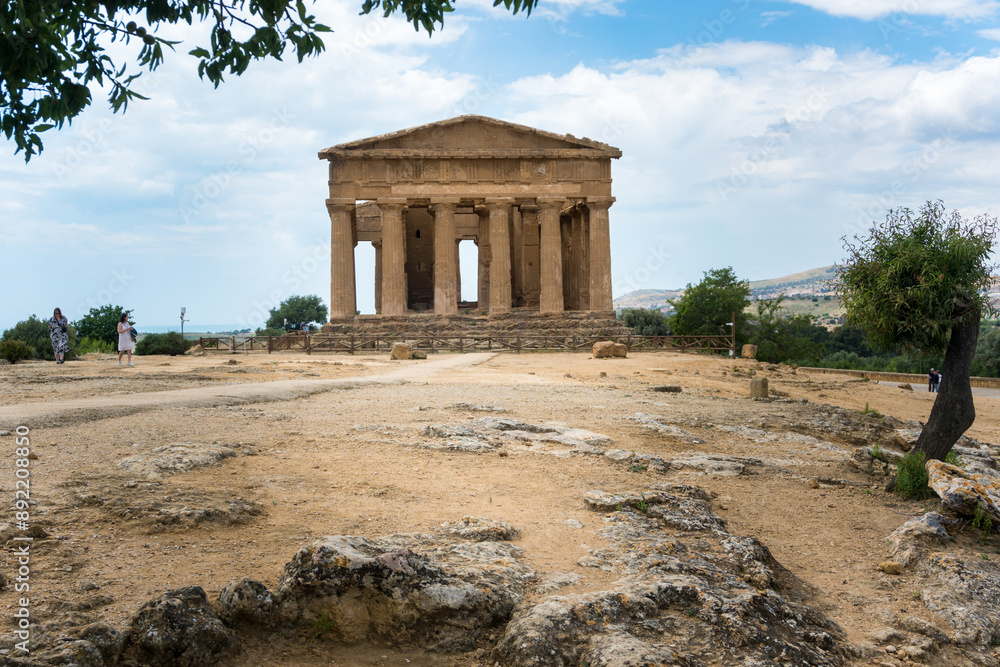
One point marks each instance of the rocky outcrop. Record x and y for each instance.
(403, 589)
(911, 540)
(487, 434)
(965, 492)
(245, 602)
(690, 594)
(176, 458)
(178, 629)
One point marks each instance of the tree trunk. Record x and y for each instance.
(953, 411)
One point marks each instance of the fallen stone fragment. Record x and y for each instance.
(401, 352)
(758, 387)
(403, 589)
(667, 388)
(891, 567)
(178, 629)
(608, 349)
(964, 492)
(748, 351)
(175, 458)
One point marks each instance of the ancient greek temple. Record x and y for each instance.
(535, 203)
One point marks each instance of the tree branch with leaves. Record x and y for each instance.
(53, 51)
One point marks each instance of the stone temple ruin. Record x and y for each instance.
(535, 203)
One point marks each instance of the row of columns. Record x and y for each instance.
(589, 255)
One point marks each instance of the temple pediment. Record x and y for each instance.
(470, 136)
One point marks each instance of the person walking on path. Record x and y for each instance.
(59, 335)
(933, 379)
(125, 342)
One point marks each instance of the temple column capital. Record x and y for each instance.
(340, 204)
(603, 203)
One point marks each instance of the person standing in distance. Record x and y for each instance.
(125, 343)
(59, 335)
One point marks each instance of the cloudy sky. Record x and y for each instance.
(754, 134)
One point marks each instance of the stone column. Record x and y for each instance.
(393, 256)
(600, 253)
(516, 257)
(343, 300)
(566, 241)
(458, 269)
(499, 209)
(529, 258)
(585, 260)
(550, 255)
(378, 275)
(578, 283)
(445, 294)
(483, 241)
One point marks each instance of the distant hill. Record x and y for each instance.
(808, 292)
(814, 282)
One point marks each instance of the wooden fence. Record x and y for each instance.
(358, 343)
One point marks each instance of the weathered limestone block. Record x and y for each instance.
(401, 351)
(962, 491)
(403, 589)
(178, 629)
(749, 351)
(758, 387)
(606, 349)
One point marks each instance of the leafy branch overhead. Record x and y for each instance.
(53, 52)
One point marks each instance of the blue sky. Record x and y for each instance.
(754, 134)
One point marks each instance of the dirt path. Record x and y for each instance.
(78, 410)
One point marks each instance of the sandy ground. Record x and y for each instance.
(338, 456)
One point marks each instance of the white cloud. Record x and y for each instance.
(990, 33)
(872, 9)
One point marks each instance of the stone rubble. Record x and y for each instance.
(177, 458)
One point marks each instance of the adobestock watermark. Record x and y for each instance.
(211, 187)
(898, 20)
(21, 544)
(472, 101)
(655, 261)
(292, 278)
(715, 27)
(742, 173)
(118, 283)
(913, 170)
(93, 137)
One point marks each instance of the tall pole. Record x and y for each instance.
(732, 323)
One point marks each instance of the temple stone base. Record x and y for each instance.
(514, 323)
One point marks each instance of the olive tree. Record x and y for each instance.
(918, 282)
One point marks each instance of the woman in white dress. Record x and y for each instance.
(125, 343)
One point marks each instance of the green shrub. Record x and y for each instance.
(953, 458)
(34, 333)
(102, 324)
(171, 343)
(911, 476)
(16, 350)
(87, 345)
